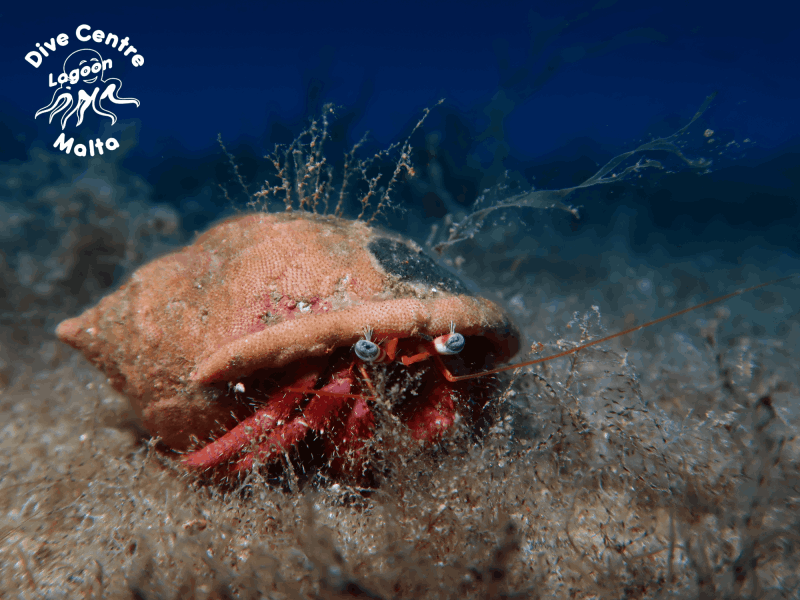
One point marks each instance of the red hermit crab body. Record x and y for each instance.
(239, 347)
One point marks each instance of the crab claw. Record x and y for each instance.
(435, 416)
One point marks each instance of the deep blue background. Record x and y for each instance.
(545, 89)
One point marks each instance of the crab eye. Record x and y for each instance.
(452, 343)
(366, 350)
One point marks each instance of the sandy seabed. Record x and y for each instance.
(663, 464)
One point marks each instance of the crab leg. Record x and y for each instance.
(444, 370)
(348, 438)
(277, 409)
(345, 443)
(316, 416)
(425, 351)
(424, 354)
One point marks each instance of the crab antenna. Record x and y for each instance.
(739, 292)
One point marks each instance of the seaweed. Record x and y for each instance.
(657, 466)
(613, 171)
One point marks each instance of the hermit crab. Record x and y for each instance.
(274, 330)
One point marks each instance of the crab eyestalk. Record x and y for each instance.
(451, 343)
(367, 351)
(370, 352)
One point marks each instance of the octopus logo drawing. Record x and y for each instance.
(83, 84)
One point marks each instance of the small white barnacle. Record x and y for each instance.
(303, 307)
(239, 388)
(450, 343)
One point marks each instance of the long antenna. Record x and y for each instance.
(454, 378)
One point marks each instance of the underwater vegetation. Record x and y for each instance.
(661, 465)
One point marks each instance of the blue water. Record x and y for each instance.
(544, 93)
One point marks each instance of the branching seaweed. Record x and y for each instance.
(558, 198)
(304, 179)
